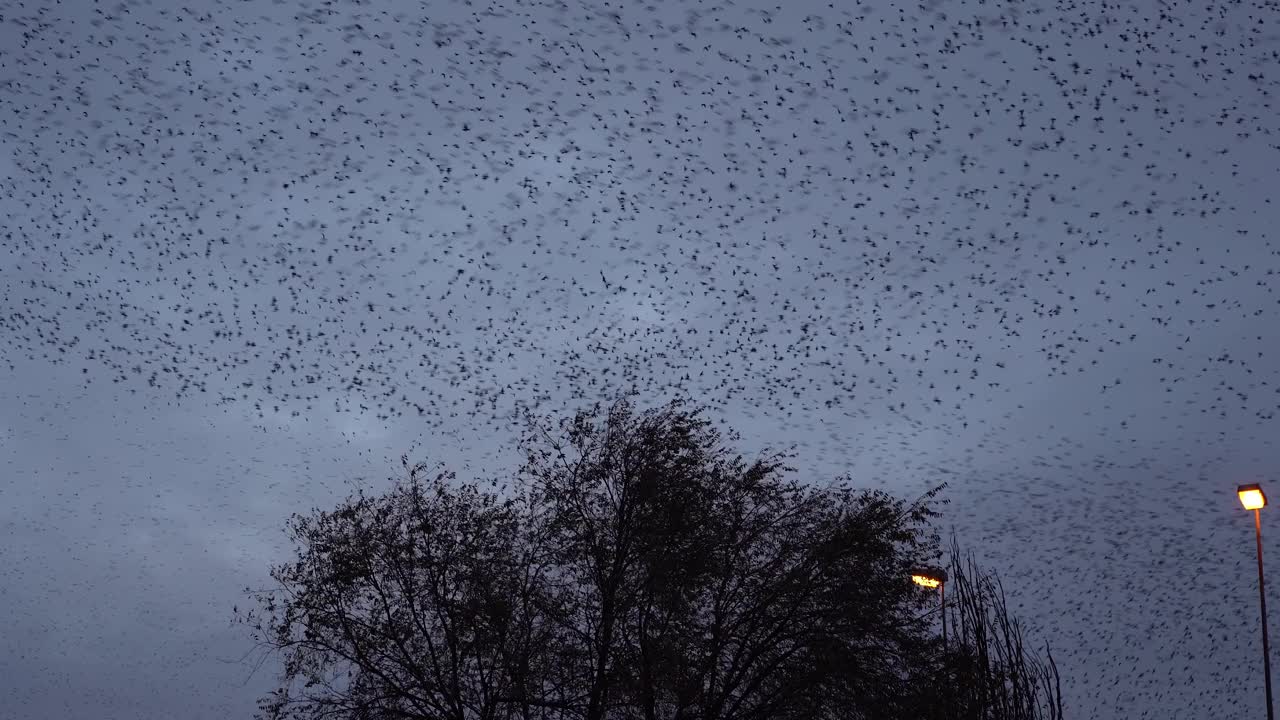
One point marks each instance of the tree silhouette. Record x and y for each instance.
(989, 672)
(639, 570)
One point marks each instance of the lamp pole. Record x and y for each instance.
(1253, 498)
(935, 578)
(1262, 601)
(942, 592)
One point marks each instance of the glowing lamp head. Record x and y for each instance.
(929, 577)
(1251, 496)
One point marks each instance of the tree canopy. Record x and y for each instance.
(639, 569)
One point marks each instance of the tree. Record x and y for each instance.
(989, 672)
(710, 587)
(639, 570)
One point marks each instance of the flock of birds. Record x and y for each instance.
(927, 221)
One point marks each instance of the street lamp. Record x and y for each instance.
(1252, 498)
(936, 578)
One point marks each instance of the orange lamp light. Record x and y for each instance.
(929, 577)
(1251, 496)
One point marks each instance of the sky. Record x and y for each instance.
(252, 253)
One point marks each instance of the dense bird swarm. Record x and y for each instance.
(1021, 246)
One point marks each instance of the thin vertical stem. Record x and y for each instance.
(1262, 601)
(942, 591)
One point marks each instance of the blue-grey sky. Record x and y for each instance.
(253, 252)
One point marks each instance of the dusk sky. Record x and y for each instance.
(253, 252)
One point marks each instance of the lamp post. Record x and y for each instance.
(937, 578)
(1252, 498)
